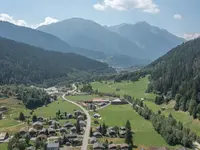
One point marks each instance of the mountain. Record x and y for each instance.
(90, 35)
(23, 64)
(125, 61)
(177, 74)
(153, 40)
(43, 40)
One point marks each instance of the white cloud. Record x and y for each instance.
(99, 7)
(178, 16)
(8, 18)
(190, 36)
(47, 21)
(144, 5)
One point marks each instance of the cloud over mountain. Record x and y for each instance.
(11, 19)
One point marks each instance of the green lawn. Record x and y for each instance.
(3, 146)
(144, 131)
(135, 89)
(51, 109)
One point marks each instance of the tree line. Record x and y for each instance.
(30, 96)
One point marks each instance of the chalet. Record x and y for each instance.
(4, 136)
(73, 130)
(42, 137)
(77, 142)
(40, 119)
(23, 131)
(96, 115)
(32, 132)
(51, 131)
(112, 147)
(3, 108)
(37, 125)
(53, 146)
(124, 146)
(77, 112)
(43, 131)
(82, 123)
(98, 146)
(97, 134)
(80, 117)
(63, 130)
(122, 128)
(68, 125)
(112, 133)
(69, 116)
(122, 133)
(116, 102)
(93, 140)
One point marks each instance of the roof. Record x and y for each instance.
(99, 100)
(37, 123)
(24, 129)
(93, 139)
(124, 145)
(116, 100)
(32, 130)
(98, 115)
(98, 145)
(112, 146)
(159, 148)
(3, 135)
(52, 145)
(97, 133)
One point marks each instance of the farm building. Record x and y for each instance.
(3, 136)
(53, 146)
(118, 102)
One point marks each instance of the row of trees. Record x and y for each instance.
(172, 131)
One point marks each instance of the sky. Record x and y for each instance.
(180, 17)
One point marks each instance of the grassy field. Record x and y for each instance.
(135, 89)
(11, 125)
(3, 146)
(143, 129)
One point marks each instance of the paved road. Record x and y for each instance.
(87, 129)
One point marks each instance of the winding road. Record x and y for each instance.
(87, 129)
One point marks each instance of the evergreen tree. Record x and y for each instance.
(78, 128)
(34, 118)
(21, 116)
(91, 132)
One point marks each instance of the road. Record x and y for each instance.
(87, 129)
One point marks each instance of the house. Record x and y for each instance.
(32, 132)
(37, 125)
(77, 142)
(63, 130)
(43, 131)
(23, 131)
(112, 133)
(97, 134)
(122, 128)
(124, 146)
(159, 148)
(68, 125)
(96, 115)
(77, 112)
(3, 108)
(80, 117)
(73, 130)
(53, 146)
(112, 147)
(40, 119)
(98, 146)
(69, 116)
(99, 100)
(4, 136)
(122, 133)
(116, 102)
(93, 140)
(42, 137)
(51, 131)
(82, 123)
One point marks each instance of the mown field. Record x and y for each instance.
(137, 90)
(144, 134)
(11, 125)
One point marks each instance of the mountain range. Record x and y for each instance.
(119, 46)
(139, 40)
(24, 64)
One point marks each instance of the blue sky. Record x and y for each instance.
(177, 16)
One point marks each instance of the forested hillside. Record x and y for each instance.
(177, 74)
(21, 63)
